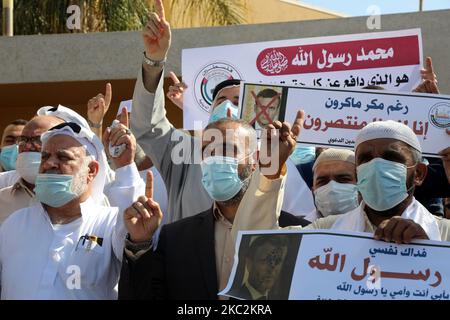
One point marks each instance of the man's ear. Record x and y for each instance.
(93, 170)
(421, 173)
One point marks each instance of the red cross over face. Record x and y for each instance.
(266, 109)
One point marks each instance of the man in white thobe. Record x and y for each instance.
(67, 246)
(334, 184)
(388, 163)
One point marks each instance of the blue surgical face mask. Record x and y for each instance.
(221, 111)
(303, 155)
(54, 190)
(336, 198)
(28, 164)
(8, 157)
(382, 183)
(220, 177)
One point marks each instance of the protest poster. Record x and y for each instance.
(126, 104)
(390, 59)
(326, 264)
(334, 117)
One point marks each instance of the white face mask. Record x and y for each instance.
(28, 165)
(336, 198)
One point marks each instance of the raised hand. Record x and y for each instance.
(99, 105)
(176, 90)
(429, 79)
(399, 230)
(121, 135)
(144, 216)
(427, 73)
(278, 143)
(157, 34)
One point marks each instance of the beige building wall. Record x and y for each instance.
(71, 68)
(267, 11)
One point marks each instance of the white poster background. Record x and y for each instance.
(417, 271)
(324, 284)
(419, 110)
(204, 68)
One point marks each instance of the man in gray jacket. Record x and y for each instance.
(154, 132)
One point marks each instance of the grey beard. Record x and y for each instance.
(244, 176)
(79, 182)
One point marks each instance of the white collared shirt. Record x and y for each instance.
(15, 197)
(8, 178)
(40, 260)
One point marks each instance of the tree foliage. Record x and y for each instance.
(50, 16)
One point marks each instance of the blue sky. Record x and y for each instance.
(359, 7)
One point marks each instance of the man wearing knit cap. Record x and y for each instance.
(334, 183)
(388, 168)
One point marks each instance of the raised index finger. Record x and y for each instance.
(160, 9)
(429, 65)
(298, 123)
(149, 185)
(124, 117)
(174, 77)
(108, 94)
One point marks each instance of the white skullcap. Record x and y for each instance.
(335, 155)
(388, 130)
(64, 113)
(94, 148)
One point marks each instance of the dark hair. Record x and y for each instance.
(267, 93)
(278, 241)
(19, 122)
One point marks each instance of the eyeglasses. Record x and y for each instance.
(36, 140)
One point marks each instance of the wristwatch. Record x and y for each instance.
(154, 63)
(95, 125)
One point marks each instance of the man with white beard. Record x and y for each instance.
(80, 242)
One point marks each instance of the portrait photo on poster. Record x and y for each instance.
(266, 266)
(262, 104)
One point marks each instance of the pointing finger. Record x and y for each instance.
(149, 185)
(429, 65)
(108, 94)
(160, 9)
(298, 123)
(174, 77)
(124, 117)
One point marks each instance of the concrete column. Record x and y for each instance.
(8, 18)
